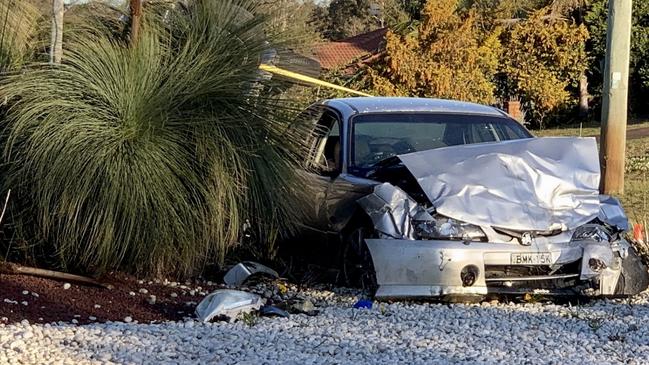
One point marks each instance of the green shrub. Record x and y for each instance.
(151, 158)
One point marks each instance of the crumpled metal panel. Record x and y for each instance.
(240, 272)
(392, 210)
(611, 212)
(536, 184)
(227, 303)
(412, 268)
(432, 268)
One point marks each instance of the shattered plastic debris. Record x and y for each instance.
(227, 303)
(272, 311)
(363, 304)
(240, 272)
(304, 306)
(638, 232)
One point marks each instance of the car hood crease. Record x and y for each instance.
(535, 184)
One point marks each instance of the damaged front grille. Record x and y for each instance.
(538, 277)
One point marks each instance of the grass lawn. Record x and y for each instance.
(587, 129)
(636, 183)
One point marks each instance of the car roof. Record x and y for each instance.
(365, 105)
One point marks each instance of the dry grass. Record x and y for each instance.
(587, 129)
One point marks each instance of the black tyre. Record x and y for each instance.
(634, 277)
(357, 265)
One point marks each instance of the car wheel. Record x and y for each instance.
(634, 277)
(357, 265)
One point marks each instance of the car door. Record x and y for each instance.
(346, 188)
(322, 164)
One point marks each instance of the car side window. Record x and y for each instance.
(325, 145)
(311, 116)
(484, 132)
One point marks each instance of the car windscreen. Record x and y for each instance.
(376, 137)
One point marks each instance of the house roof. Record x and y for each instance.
(332, 55)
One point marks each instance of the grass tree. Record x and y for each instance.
(151, 157)
(17, 30)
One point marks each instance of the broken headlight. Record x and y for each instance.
(593, 232)
(448, 229)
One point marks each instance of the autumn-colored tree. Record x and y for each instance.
(543, 58)
(447, 57)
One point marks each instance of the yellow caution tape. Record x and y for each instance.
(308, 79)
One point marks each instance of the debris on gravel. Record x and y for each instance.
(51, 302)
(604, 331)
(306, 325)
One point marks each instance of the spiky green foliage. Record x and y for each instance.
(151, 158)
(17, 29)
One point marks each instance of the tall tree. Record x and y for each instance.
(347, 18)
(575, 9)
(545, 57)
(595, 19)
(446, 57)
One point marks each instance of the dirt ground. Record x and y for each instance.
(40, 300)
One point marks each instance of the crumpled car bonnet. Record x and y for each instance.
(540, 184)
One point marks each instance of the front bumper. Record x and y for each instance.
(437, 268)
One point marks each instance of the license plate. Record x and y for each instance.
(542, 258)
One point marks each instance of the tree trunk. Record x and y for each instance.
(583, 96)
(136, 15)
(56, 45)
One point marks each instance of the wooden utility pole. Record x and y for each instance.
(615, 95)
(56, 45)
(136, 19)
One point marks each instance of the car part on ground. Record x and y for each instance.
(510, 217)
(536, 332)
(227, 304)
(363, 304)
(242, 271)
(302, 306)
(272, 311)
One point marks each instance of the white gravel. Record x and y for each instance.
(602, 332)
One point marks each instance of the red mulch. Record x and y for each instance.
(55, 304)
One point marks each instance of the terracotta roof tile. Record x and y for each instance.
(337, 54)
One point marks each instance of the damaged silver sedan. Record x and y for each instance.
(441, 199)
